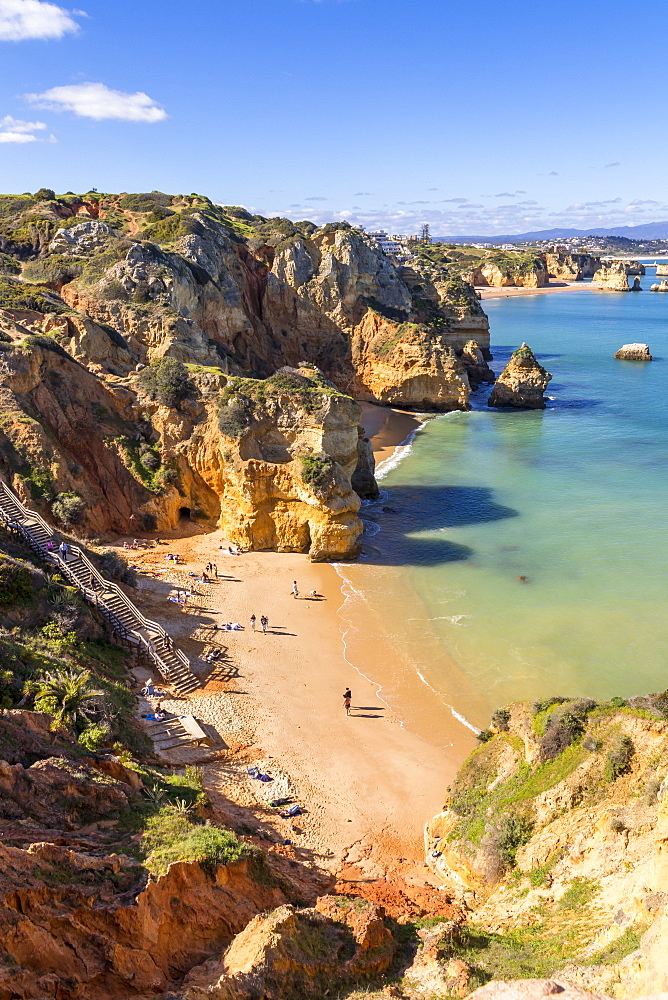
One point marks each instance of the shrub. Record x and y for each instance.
(618, 761)
(15, 582)
(580, 892)
(146, 201)
(114, 291)
(512, 833)
(562, 730)
(235, 414)
(316, 469)
(68, 508)
(500, 719)
(94, 736)
(16, 296)
(170, 836)
(484, 735)
(45, 194)
(114, 565)
(166, 382)
(57, 268)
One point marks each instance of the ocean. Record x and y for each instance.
(574, 498)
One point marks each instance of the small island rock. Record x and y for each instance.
(612, 276)
(634, 352)
(522, 383)
(663, 287)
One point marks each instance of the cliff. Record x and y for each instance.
(522, 382)
(571, 266)
(612, 276)
(555, 833)
(182, 277)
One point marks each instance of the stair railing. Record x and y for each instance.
(90, 592)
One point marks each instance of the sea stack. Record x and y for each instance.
(522, 383)
(612, 276)
(633, 352)
(663, 287)
(477, 368)
(637, 287)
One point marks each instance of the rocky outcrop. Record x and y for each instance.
(405, 366)
(522, 383)
(633, 352)
(636, 287)
(660, 287)
(477, 369)
(613, 276)
(68, 917)
(529, 274)
(280, 454)
(571, 266)
(298, 953)
(563, 812)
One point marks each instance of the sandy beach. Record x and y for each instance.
(367, 783)
(487, 292)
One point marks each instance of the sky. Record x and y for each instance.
(479, 119)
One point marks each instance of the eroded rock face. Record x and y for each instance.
(522, 383)
(634, 352)
(533, 275)
(280, 457)
(613, 276)
(100, 929)
(298, 953)
(572, 266)
(477, 369)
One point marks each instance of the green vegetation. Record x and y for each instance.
(56, 268)
(170, 835)
(580, 892)
(65, 694)
(145, 462)
(55, 655)
(14, 295)
(166, 382)
(316, 469)
(618, 760)
(68, 508)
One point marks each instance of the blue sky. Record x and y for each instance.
(477, 118)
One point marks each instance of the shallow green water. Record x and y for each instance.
(575, 498)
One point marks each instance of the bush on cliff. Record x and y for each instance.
(316, 469)
(618, 761)
(68, 508)
(166, 381)
(170, 835)
(57, 268)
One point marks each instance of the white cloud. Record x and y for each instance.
(14, 130)
(96, 100)
(23, 19)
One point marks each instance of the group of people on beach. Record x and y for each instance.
(264, 622)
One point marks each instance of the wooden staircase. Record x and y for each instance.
(123, 616)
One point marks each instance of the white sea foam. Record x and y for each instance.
(399, 453)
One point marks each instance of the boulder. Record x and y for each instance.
(662, 287)
(637, 287)
(533, 989)
(633, 352)
(522, 383)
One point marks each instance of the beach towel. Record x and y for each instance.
(292, 811)
(255, 772)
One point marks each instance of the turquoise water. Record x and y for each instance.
(575, 498)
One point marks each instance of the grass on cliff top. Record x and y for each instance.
(236, 402)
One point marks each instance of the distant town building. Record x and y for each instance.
(393, 246)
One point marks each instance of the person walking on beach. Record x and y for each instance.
(264, 621)
(295, 591)
(347, 696)
(253, 619)
(215, 570)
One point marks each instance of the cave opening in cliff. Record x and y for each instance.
(184, 513)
